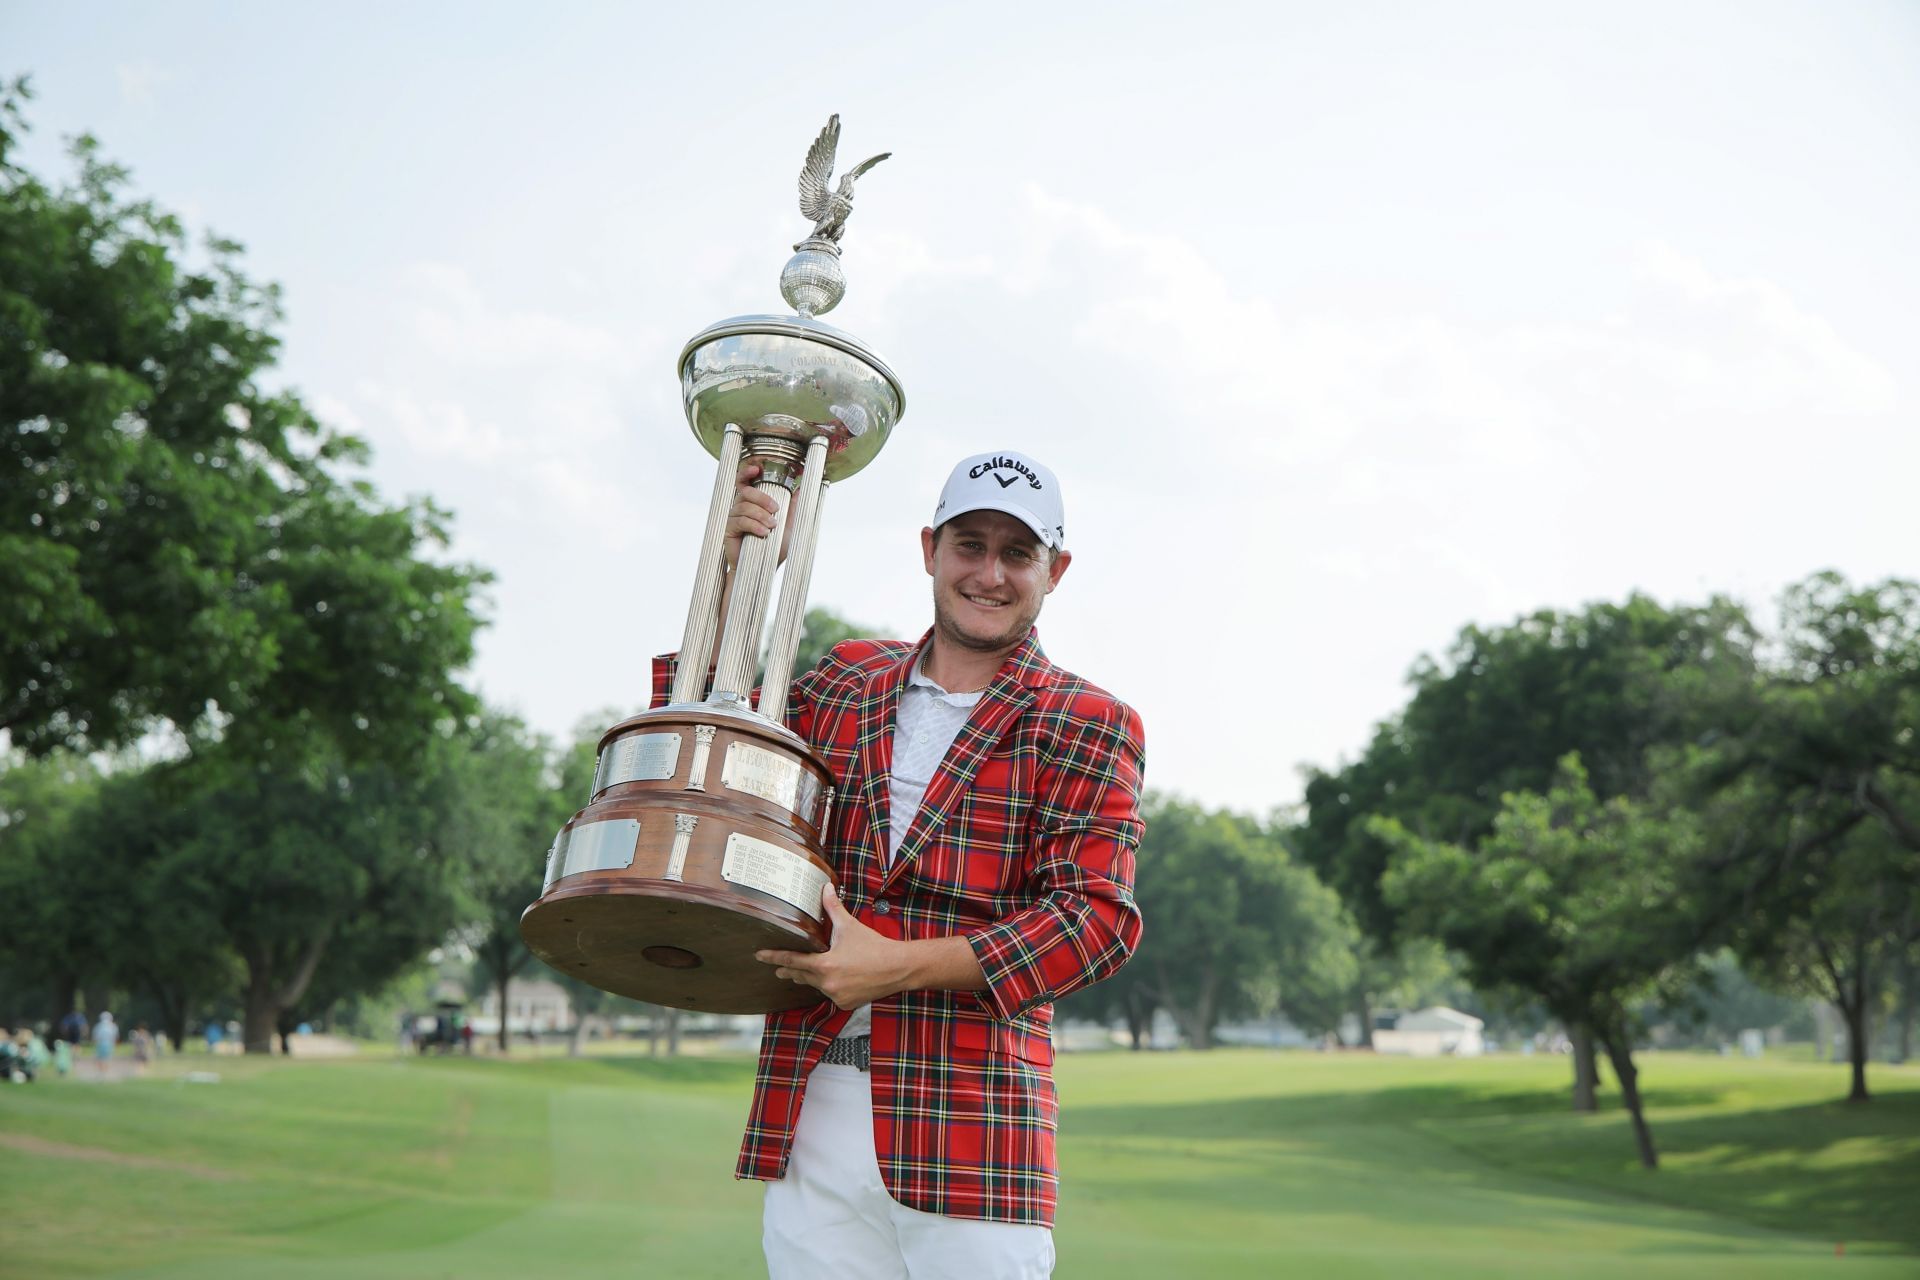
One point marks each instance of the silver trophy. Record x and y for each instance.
(702, 840)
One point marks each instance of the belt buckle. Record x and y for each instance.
(850, 1051)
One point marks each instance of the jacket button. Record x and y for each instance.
(883, 908)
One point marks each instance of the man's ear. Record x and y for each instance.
(1058, 568)
(926, 548)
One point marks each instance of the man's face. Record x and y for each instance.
(990, 577)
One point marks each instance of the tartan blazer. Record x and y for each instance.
(1024, 844)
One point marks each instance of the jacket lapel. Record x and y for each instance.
(879, 700)
(1011, 693)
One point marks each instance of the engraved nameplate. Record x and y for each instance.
(597, 846)
(638, 757)
(758, 864)
(771, 776)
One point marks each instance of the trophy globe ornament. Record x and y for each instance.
(703, 837)
(812, 282)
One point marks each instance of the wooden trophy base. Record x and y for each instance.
(670, 946)
(701, 846)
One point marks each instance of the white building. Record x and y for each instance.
(1431, 1033)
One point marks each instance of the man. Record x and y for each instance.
(983, 840)
(106, 1034)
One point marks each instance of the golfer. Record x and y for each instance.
(986, 815)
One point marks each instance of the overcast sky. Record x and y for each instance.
(1344, 325)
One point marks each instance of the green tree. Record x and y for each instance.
(1576, 902)
(146, 913)
(44, 954)
(327, 880)
(524, 798)
(1236, 925)
(1817, 802)
(174, 543)
(822, 629)
(1498, 712)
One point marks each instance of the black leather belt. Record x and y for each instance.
(850, 1051)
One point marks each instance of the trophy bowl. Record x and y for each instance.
(791, 377)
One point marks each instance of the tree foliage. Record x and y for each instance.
(1816, 801)
(822, 629)
(1576, 902)
(1503, 707)
(176, 542)
(526, 798)
(1235, 926)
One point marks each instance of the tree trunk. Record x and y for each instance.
(265, 1001)
(1139, 1019)
(576, 1044)
(1850, 990)
(1586, 1072)
(1903, 1016)
(259, 1014)
(1620, 1054)
(174, 1004)
(1363, 1007)
(673, 1033)
(1197, 1020)
(1855, 1011)
(285, 1024)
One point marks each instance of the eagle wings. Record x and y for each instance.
(826, 206)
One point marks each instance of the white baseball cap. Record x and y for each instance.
(1010, 482)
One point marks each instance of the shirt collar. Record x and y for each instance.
(917, 678)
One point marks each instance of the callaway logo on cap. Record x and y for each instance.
(1009, 482)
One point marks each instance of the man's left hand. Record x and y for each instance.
(859, 966)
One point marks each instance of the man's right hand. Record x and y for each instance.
(753, 513)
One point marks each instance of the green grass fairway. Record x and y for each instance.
(1234, 1163)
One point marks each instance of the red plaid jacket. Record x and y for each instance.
(1025, 844)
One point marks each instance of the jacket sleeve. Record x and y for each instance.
(1083, 923)
(663, 669)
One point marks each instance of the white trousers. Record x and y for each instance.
(831, 1217)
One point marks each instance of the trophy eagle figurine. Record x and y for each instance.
(829, 209)
(812, 282)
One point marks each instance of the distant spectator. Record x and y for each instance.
(22, 1055)
(62, 1056)
(73, 1027)
(36, 1049)
(142, 1042)
(106, 1034)
(213, 1036)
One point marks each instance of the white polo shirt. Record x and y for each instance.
(925, 724)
